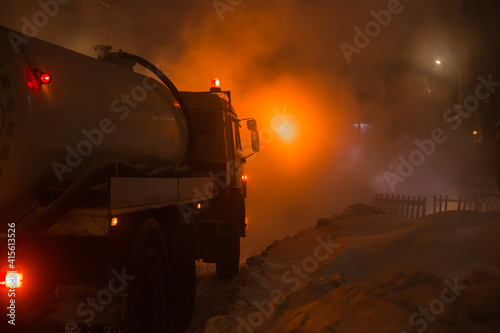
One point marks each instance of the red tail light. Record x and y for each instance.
(11, 280)
(45, 78)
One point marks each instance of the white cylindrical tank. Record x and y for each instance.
(91, 111)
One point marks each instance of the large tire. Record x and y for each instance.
(149, 288)
(228, 257)
(183, 282)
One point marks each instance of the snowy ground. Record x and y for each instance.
(363, 271)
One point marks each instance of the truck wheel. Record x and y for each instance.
(228, 259)
(183, 283)
(149, 308)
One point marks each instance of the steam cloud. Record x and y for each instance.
(285, 55)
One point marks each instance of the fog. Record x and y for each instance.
(283, 62)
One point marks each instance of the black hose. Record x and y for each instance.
(173, 89)
(42, 219)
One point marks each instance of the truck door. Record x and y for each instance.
(238, 161)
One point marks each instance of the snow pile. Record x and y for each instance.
(363, 271)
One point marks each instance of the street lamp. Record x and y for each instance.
(460, 96)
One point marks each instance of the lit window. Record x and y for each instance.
(477, 136)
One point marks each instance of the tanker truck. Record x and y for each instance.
(112, 184)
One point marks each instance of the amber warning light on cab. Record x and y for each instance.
(215, 85)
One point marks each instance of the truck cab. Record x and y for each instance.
(217, 151)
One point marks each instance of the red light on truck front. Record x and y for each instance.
(45, 78)
(12, 280)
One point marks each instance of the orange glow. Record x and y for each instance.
(291, 130)
(244, 177)
(12, 280)
(114, 221)
(246, 222)
(286, 128)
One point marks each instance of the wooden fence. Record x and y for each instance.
(481, 192)
(406, 206)
(443, 204)
(414, 207)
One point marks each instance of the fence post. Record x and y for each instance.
(424, 208)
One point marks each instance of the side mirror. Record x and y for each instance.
(255, 140)
(252, 124)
